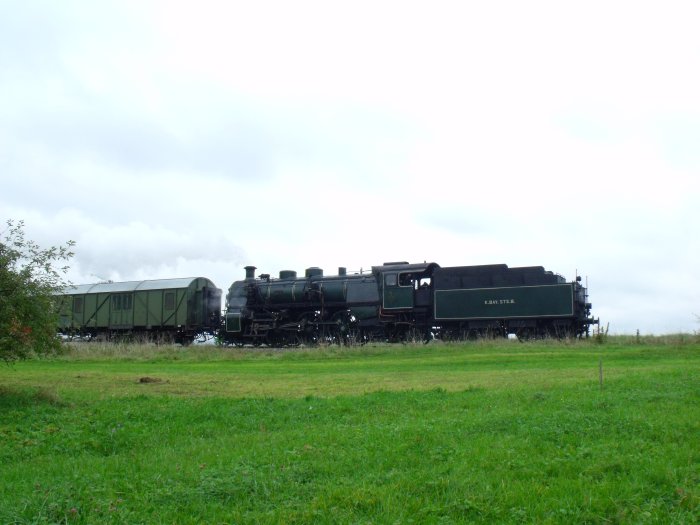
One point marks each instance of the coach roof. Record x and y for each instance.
(133, 286)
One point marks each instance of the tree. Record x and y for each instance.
(29, 278)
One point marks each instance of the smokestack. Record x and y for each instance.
(342, 270)
(250, 272)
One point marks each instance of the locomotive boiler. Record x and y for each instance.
(292, 310)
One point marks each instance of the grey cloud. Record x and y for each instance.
(198, 131)
(135, 249)
(50, 108)
(47, 102)
(89, 128)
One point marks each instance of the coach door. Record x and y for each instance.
(397, 290)
(122, 310)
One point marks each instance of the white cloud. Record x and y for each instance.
(180, 138)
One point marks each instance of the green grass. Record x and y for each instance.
(473, 433)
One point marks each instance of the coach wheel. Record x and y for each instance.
(185, 340)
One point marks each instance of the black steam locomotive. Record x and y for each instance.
(399, 301)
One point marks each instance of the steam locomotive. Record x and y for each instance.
(400, 301)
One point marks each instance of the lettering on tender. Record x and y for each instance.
(499, 301)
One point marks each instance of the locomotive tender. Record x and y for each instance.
(399, 301)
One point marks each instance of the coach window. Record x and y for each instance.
(170, 300)
(122, 301)
(390, 279)
(78, 305)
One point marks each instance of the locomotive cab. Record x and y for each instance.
(397, 291)
(404, 286)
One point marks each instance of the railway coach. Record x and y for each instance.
(167, 310)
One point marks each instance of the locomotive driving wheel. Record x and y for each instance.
(345, 328)
(308, 329)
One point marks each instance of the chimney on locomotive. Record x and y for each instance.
(250, 273)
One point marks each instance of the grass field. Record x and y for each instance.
(488, 432)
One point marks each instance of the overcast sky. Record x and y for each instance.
(174, 139)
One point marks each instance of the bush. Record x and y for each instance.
(29, 279)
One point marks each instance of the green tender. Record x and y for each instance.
(502, 303)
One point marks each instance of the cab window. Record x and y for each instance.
(406, 279)
(423, 283)
(390, 279)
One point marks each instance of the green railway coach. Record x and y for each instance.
(178, 310)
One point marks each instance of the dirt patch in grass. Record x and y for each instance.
(148, 379)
